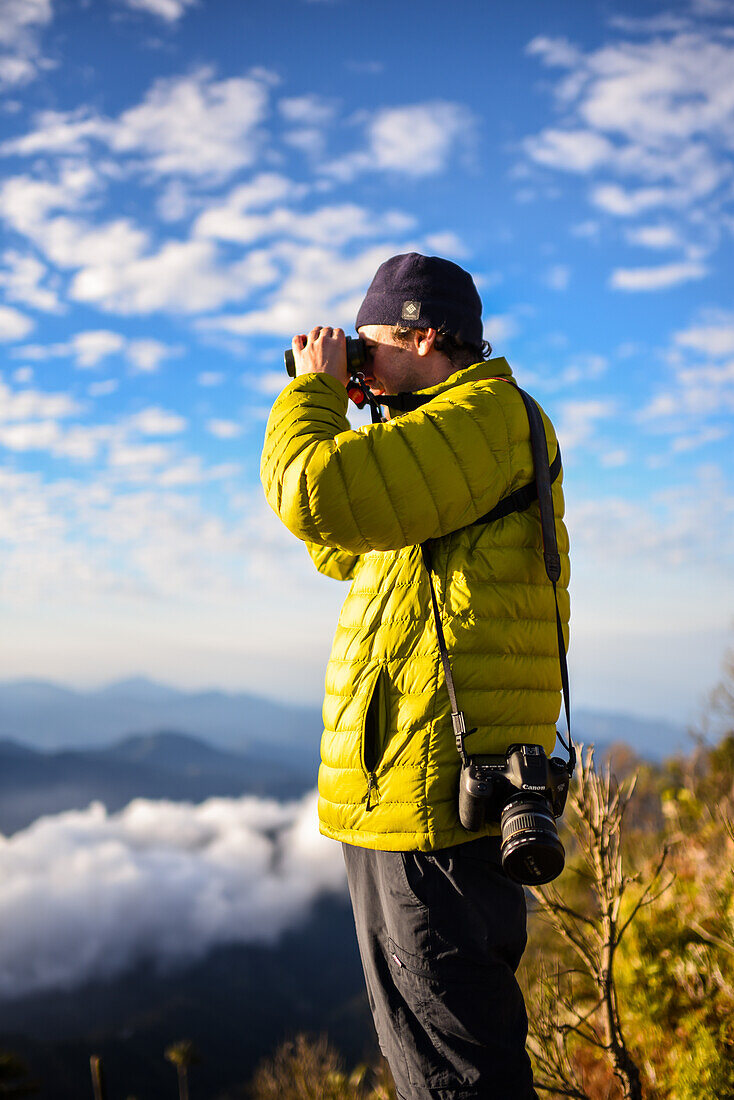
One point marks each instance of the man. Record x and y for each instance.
(441, 928)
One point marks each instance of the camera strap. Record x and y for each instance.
(544, 476)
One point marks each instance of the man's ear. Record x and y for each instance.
(425, 340)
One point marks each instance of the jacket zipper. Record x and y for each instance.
(371, 789)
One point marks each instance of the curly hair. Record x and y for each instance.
(459, 353)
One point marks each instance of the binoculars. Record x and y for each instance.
(356, 357)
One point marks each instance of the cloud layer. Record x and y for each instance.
(651, 119)
(87, 894)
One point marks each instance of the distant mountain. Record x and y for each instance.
(49, 716)
(237, 1005)
(161, 765)
(652, 739)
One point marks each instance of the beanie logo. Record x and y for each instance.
(411, 311)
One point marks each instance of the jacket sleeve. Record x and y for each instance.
(384, 486)
(332, 563)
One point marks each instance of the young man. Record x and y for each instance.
(441, 927)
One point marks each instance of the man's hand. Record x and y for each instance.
(323, 351)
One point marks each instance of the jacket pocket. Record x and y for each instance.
(374, 726)
(374, 729)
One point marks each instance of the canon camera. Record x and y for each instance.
(525, 792)
(356, 357)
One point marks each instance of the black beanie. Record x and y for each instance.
(424, 292)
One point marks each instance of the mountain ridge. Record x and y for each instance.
(161, 765)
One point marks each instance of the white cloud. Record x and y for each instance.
(75, 442)
(570, 150)
(555, 51)
(689, 524)
(578, 420)
(656, 112)
(612, 460)
(626, 204)
(90, 894)
(156, 421)
(126, 455)
(113, 270)
(192, 471)
(319, 283)
(701, 393)
(38, 435)
(90, 348)
(26, 203)
(168, 10)
(656, 278)
(500, 328)
(14, 325)
(194, 125)
(103, 389)
(653, 24)
(174, 202)
(557, 277)
(147, 355)
(16, 70)
(692, 442)
(417, 140)
(308, 117)
(582, 368)
(68, 242)
(20, 23)
(310, 110)
(234, 221)
(23, 375)
(270, 382)
(183, 276)
(22, 278)
(588, 230)
(448, 244)
(210, 378)
(34, 405)
(58, 132)
(29, 421)
(714, 337)
(224, 429)
(186, 126)
(654, 236)
(16, 16)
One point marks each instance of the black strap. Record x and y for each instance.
(520, 499)
(544, 476)
(404, 402)
(457, 718)
(551, 556)
(362, 395)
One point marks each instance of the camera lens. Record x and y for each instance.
(532, 852)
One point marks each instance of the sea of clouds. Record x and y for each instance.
(87, 894)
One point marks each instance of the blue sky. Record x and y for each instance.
(185, 183)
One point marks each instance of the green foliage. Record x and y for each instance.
(676, 969)
(182, 1053)
(673, 969)
(700, 1072)
(310, 1069)
(14, 1076)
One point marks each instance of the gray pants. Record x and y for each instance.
(441, 935)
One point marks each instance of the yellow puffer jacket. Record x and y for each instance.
(363, 501)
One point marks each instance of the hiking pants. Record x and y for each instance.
(441, 935)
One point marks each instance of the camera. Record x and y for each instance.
(525, 792)
(356, 357)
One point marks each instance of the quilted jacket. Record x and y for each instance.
(363, 501)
